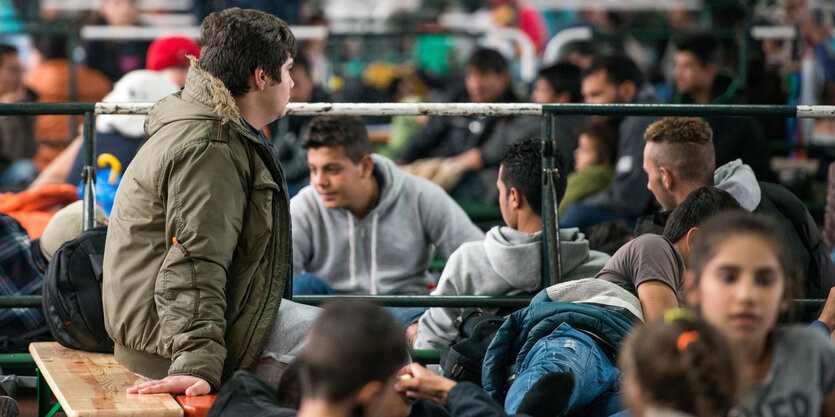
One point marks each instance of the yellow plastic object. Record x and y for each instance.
(106, 159)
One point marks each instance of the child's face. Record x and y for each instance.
(742, 289)
(585, 154)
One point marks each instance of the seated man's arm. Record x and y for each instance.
(301, 211)
(204, 191)
(436, 328)
(656, 298)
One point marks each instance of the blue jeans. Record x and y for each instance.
(569, 351)
(310, 284)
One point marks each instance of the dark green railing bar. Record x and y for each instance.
(424, 300)
(671, 110)
(88, 214)
(46, 108)
(16, 359)
(515, 301)
(20, 301)
(550, 269)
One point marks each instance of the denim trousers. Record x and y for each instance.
(567, 350)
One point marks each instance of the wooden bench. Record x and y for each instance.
(94, 384)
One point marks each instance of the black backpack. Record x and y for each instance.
(462, 360)
(72, 293)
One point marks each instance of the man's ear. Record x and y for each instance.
(260, 78)
(367, 165)
(668, 178)
(515, 198)
(368, 392)
(690, 238)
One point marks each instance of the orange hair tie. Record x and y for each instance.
(686, 338)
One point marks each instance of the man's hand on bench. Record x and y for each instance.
(174, 384)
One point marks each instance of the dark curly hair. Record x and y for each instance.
(237, 41)
(686, 147)
(347, 132)
(522, 169)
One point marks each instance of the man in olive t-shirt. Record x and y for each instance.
(652, 266)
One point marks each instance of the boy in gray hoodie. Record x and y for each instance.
(508, 261)
(363, 226)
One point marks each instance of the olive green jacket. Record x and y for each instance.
(199, 243)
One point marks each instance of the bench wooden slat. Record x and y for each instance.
(93, 384)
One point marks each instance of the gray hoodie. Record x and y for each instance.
(387, 251)
(507, 262)
(740, 182)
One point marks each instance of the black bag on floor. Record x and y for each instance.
(72, 302)
(462, 360)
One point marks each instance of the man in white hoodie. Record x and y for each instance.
(509, 260)
(363, 226)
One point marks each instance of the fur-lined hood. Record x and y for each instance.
(203, 97)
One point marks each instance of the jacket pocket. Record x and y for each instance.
(176, 294)
(258, 224)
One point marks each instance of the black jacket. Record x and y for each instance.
(799, 229)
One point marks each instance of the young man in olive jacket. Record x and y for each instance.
(199, 245)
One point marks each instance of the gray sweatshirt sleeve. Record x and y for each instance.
(436, 327)
(300, 216)
(446, 224)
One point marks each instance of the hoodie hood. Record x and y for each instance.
(740, 182)
(392, 186)
(204, 97)
(513, 254)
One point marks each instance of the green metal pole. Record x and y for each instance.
(663, 110)
(20, 301)
(550, 236)
(425, 300)
(89, 175)
(72, 42)
(44, 394)
(13, 109)
(16, 359)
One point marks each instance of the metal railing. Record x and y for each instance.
(550, 266)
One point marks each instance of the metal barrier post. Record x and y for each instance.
(550, 236)
(89, 174)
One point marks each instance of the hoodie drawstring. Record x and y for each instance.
(374, 254)
(352, 263)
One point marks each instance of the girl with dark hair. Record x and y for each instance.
(740, 280)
